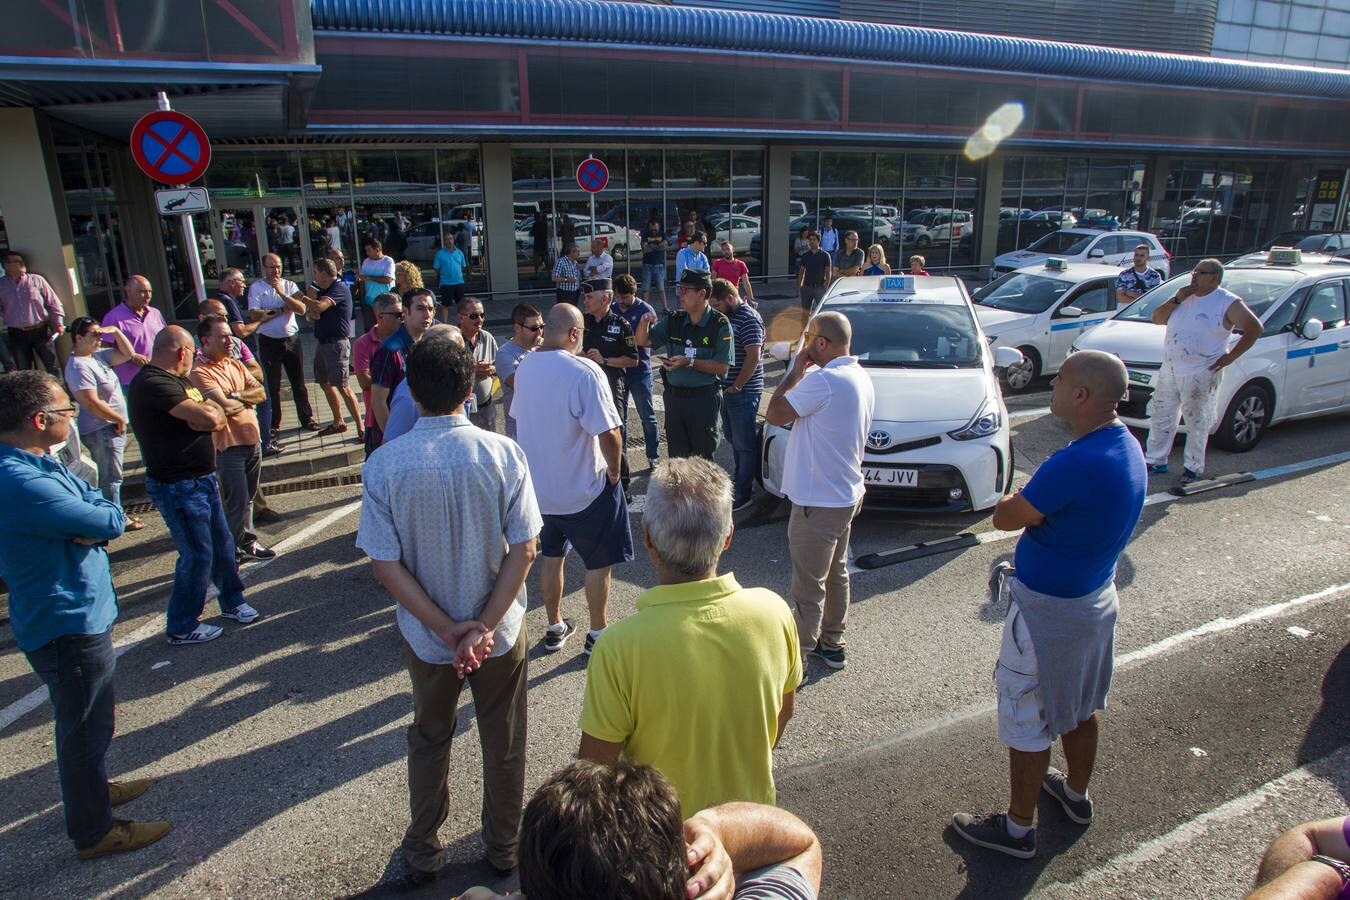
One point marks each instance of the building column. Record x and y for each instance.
(141, 231)
(34, 204)
(986, 220)
(499, 213)
(1154, 192)
(775, 213)
(1287, 198)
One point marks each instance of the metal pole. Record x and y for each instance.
(189, 231)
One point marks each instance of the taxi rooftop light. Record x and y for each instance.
(897, 284)
(1056, 264)
(1284, 256)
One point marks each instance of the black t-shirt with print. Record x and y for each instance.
(172, 450)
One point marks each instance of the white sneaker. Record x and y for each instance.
(243, 614)
(199, 635)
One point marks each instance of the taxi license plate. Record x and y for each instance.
(891, 477)
(1140, 377)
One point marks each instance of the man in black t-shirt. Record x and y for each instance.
(330, 309)
(608, 342)
(813, 272)
(173, 425)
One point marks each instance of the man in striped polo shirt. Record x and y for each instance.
(741, 387)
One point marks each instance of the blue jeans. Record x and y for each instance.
(106, 447)
(653, 279)
(640, 389)
(78, 672)
(196, 520)
(739, 413)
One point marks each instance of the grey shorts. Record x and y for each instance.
(1021, 717)
(332, 363)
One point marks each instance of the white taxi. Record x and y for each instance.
(1041, 310)
(1299, 367)
(939, 440)
(1089, 245)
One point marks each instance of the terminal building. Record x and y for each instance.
(408, 119)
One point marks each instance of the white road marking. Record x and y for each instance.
(1160, 648)
(1198, 826)
(32, 700)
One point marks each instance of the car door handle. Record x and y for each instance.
(1344, 344)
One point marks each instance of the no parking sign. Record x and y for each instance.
(170, 147)
(592, 175)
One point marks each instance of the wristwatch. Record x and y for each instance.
(1342, 869)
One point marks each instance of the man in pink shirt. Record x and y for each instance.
(736, 271)
(33, 315)
(363, 348)
(139, 321)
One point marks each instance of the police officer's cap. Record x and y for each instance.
(697, 278)
(592, 285)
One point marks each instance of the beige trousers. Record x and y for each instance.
(818, 545)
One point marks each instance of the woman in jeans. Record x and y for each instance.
(103, 410)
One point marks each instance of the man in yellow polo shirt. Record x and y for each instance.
(702, 680)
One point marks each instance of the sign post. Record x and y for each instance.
(173, 149)
(592, 176)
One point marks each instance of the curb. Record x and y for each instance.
(275, 469)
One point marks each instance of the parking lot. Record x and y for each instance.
(280, 751)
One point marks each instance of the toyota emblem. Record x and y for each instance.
(878, 440)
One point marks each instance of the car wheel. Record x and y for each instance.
(1020, 377)
(1244, 422)
(924, 242)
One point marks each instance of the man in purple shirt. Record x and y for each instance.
(139, 321)
(33, 315)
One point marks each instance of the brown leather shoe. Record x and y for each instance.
(126, 836)
(334, 428)
(120, 792)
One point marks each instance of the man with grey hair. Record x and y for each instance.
(832, 411)
(734, 649)
(1200, 321)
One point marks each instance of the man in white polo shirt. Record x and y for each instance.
(573, 440)
(274, 301)
(830, 410)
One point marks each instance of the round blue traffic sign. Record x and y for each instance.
(170, 147)
(592, 175)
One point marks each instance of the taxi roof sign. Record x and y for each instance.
(1284, 256)
(897, 284)
(1056, 264)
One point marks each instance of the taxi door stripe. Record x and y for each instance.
(1311, 351)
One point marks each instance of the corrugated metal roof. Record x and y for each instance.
(600, 21)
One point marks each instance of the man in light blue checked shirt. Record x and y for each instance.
(449, 522)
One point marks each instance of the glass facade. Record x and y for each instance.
(720, 190)
(1217, 207)
(95, 224)
(1042, 194)
(1305, 32)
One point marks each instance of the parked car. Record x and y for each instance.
(926, 227)
(1112, 248)
(1299, 367)
(874, 230)
(1041, 310)
(741, 229)
(939, 440)
(796, 209)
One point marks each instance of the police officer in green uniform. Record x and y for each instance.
(694, 348)
(608, 342)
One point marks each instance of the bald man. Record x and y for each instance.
(832, 410)
(1054, 668)
(274, 302)
(173, 423)
(139, 321)
(572, 436)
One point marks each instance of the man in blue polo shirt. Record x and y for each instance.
(639, 378)
(62, 605)
(1054, 669)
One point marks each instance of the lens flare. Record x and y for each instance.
(1000, 126)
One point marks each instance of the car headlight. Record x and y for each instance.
(986, 421)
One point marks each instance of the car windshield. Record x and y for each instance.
(1258, 288)
(1313, 244)
(913, 335)
(1065, 242)
(1019, 292)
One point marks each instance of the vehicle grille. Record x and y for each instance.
(908, 445)
(935, 481)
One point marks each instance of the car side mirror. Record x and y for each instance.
(1069, 312)
(780, 350)
(1005, 357)
(1096, 253)
(1311, 330)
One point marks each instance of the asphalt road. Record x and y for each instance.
(280, 749)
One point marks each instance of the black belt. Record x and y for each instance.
(700, 391)
(29, 327)
(330, 340)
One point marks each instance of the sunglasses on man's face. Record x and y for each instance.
(533, 327)
(396, 315)
(476, 315)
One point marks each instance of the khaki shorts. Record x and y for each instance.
(1021, 717)
(332, 363)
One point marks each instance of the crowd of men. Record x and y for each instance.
(687, 697)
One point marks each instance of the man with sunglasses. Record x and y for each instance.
(62, 605)
(527, 332)
(1200, 321)
(388, 362)
(484, 348)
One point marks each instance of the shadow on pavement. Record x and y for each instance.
(990, 874)
(1329, 729)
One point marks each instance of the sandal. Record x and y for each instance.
(134, 524)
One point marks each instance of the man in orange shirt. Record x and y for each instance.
(223, 380)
